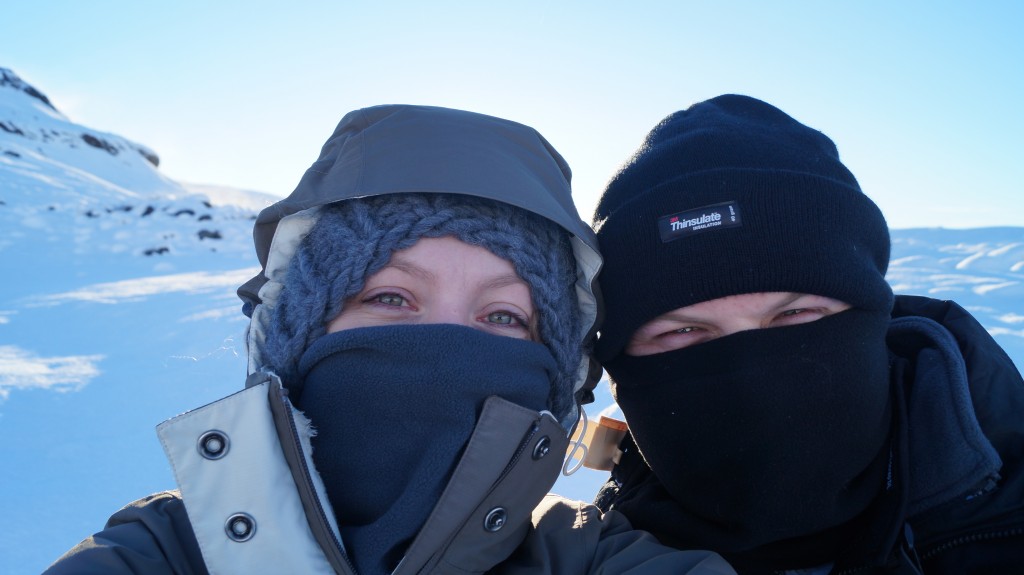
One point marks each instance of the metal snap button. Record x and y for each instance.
(240, 527)
(542, 448)
(495, 519)
(213, 444)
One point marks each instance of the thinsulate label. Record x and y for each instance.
(691, 222)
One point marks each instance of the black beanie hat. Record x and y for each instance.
(733, 196)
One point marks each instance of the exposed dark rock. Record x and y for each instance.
(100, 143)
(205, 217)
(148, 210)
(38, 95)
(9, 78)
(12, 153)
(11, 129)
(184, 212)
(150, 156)
(156, 251)
(207, 204)
(209, 234)
(92, 214)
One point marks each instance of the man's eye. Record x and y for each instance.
(688, 329)
(390, 299)
(798, 316)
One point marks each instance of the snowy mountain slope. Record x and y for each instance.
(118, 311)
(982, 269)
(43, 137)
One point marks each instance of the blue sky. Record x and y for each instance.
(922, 98)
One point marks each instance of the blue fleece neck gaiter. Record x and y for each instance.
(393, 408)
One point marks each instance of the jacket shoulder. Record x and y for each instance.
(977, 346)
(983, 533)
(150, 535)
(995, 383)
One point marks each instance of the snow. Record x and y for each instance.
(21, 369)
(142, 288)
(99, 342)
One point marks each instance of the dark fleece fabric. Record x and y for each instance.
(393, 407)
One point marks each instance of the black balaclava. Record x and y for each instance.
(764, 435)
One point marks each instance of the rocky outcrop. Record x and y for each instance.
(9, 79)
(65, 132)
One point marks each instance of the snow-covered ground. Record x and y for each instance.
(117, 311)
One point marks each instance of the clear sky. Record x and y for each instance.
(923, 99)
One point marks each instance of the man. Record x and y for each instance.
(784, 408)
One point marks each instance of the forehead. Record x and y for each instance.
(752, 303)
(447, 255)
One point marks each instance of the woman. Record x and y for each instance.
(416, 357)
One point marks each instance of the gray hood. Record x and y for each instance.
(401, 149)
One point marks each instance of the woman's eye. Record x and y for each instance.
(502, 318)
(688, 329)
(792, 312)
(389, 299)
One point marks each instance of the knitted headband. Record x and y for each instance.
(733, 196)
(353, 239)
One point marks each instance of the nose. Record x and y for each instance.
(738, 324)
(449, 312)
(734, 324)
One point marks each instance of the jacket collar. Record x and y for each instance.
(949, 455)
(265, 475)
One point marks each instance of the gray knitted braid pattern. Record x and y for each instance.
(353, 239)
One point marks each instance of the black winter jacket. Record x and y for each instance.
(981, 533)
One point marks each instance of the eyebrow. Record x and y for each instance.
(412, 269)
(676, 315)
(504, 280)
(789, 301)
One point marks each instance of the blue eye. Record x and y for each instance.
(501, 317)
(507, 318)
(390, 299)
